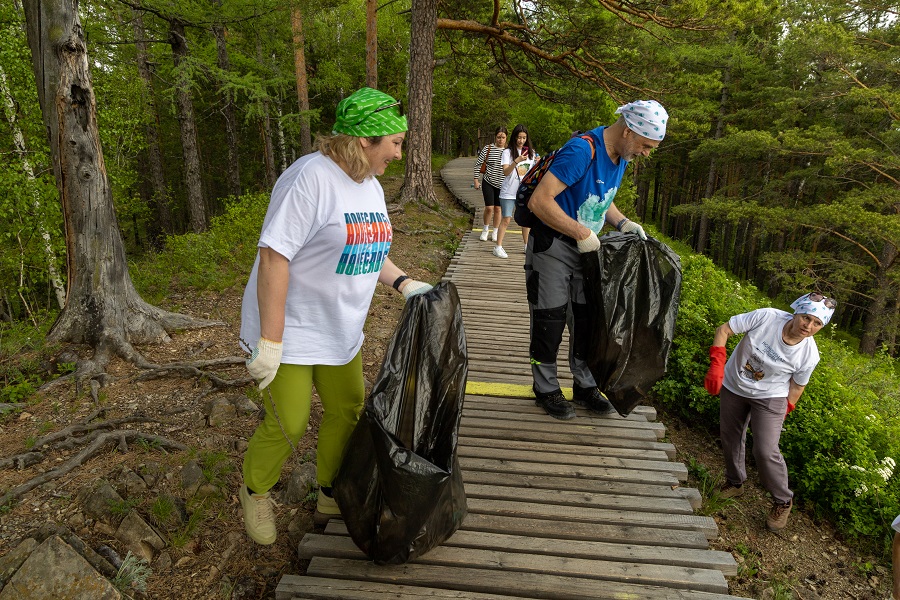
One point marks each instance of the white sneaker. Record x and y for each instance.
(259, 516)
(494, 235)
(499, 252)
(484, 234)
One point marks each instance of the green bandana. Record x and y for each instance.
(368, 113)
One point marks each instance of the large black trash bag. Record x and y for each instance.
(632, 289)
(399, 487)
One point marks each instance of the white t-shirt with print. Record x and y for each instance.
(762, 365)
(511, 182)
(336, 234)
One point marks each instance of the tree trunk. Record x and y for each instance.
(372, 44)
(418, 183)
(159, 194)
(184, 104)
(233, 172)
(877, 317)
(703, 234)
(9, 105)
(302, 81)
(279, 133)
(102, 307)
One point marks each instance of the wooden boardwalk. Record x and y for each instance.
(585, 509)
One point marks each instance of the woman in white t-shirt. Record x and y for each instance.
(760, 384)
(518, 157)
(323, 247)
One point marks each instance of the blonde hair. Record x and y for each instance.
(348, 153)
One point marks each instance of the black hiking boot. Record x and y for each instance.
(556, 405)
(592, 399)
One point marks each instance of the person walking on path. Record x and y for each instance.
(759, 385)
(488, 173)
(573, 201)
(324, 245)
(518, 157)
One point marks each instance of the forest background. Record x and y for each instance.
(781, 164)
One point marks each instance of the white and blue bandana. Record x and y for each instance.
(645, 117)
(805, 305)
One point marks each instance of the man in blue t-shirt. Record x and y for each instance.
(573, 201)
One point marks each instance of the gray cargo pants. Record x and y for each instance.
(555, 288)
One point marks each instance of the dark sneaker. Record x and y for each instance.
(729, 490)
(778, 516)
(592, 399)
(556, 405)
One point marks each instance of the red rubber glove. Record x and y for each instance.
(716, 373)
(790, 407)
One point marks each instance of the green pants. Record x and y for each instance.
(342, 392)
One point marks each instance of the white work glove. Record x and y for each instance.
(631, 227)
(264, 362)
(414, 288)
(589, 244)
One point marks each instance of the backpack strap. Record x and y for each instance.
(590, 140)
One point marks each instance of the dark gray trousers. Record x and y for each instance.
(766, 416)
(555, 286)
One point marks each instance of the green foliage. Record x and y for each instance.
(708, 485)
(841, 443)
(163, 510)
(215, 466)
(132, 575)
(215, 260)
(123, 507)
(182, 536)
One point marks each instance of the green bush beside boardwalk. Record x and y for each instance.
(840, 443)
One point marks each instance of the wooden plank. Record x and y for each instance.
(567, 438)
(575, 530)
(612, 420)
(528, 407)
(677, 470)
(548, 424)
(598, 451)
(624, 501)
(557, 470)
(591, 486)
(534, 510)
(705, 579)
(299, 587)
(520, 397)
(539, 585)
(663, 555)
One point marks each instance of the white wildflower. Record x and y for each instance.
(862, 489)
(857, 468)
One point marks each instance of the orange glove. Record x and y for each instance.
(716, 373)
(791, 406)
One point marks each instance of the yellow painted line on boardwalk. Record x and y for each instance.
(505, 390)
(510, 230)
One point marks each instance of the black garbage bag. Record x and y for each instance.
(632, 289)
(399, 487)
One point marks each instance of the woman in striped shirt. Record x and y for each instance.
(493, 179)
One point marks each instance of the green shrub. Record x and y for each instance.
(214, 260)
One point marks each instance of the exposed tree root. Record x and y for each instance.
(98, 440)
(197, 369)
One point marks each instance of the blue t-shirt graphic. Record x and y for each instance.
(592, 184)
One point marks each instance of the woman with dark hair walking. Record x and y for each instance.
(517, 159)
(489, 177)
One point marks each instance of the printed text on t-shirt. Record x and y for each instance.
(369, 236)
